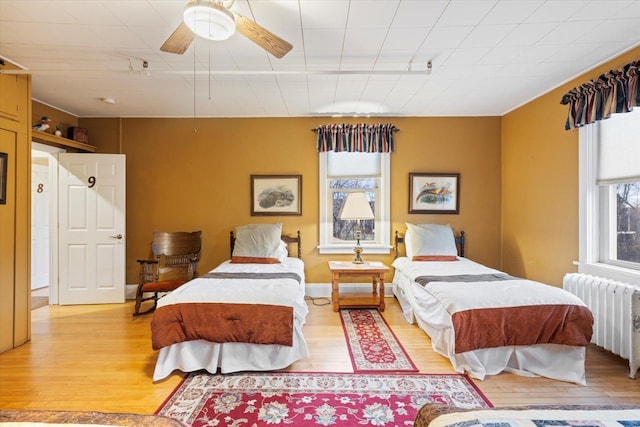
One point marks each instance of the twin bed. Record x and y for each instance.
(483, 320)
(245, 315)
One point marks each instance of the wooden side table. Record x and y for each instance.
(374, 270)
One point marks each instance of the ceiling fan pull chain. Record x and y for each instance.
(195, 129)
(210, 44)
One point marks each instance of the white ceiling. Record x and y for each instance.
(349, 56)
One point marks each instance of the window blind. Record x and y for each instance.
(345, 163)
(619, 149)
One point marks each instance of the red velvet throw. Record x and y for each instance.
(222, 322)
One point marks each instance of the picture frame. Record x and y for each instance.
(274, 195)
(434, 193)
(4, 165)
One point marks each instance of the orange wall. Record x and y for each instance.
(540, 184)
(178, 179)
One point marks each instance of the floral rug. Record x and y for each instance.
(314, 399)
(372, 345)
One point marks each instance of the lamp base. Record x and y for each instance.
(358, 250)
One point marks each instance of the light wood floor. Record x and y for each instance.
(99, 358)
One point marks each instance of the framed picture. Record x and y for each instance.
(276, 195)
(437, 193)
(3, 178)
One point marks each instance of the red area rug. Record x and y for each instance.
(372, 345)
(313, 399)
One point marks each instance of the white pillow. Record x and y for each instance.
(283, 251)
(431, 242)
(408, 246)
(258, 243)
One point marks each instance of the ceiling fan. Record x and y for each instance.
(212, 19)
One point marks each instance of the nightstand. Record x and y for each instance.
(373, 270)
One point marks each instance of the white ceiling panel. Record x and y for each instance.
(371, 14)
(418, 13)
(511, 12)
(528, 34)
(324, 14)
(447, 37)
(465, 12)
(559, 11)
(487, 36)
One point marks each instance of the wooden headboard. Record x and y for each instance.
(285, 238)
(400, 239)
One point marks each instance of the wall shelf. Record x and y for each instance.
(58, 141)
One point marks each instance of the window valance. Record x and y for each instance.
(361, 137)
(612, 92)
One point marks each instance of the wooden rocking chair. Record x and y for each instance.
(175, 257)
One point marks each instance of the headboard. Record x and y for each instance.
(285, 238)
(400, 239)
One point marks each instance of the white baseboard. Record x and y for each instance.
(311, 289)
(130, 291)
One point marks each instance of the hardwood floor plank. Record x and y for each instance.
(100, 358)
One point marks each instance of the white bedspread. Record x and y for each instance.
(233, 357)
(431, 307)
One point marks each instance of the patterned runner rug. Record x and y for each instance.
(372, 345)
(312, 399)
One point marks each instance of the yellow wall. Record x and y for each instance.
(540, 184)
(178, 179)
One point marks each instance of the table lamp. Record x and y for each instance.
(357, 207)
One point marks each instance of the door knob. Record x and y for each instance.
(117, 236)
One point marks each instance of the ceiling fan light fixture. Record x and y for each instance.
(209, 19)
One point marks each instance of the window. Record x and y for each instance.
(610, 196)
(620, 224)
(345, 172)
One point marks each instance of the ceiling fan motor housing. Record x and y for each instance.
(209, 19)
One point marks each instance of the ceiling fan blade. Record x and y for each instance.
(262, 37)
(179, 41)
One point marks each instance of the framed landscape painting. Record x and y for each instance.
(276, 195)
(434, 193)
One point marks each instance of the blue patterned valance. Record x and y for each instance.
(617, 91)
(361, 137)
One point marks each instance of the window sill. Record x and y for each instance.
(609, 271)
(348, 249)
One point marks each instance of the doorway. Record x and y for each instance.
(43, 238)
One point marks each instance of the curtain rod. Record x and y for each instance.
(316, 129)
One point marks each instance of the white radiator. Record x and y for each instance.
(616, 312)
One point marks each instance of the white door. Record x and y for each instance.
(39, 223)
(91, 230)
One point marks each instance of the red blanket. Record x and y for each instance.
(222, 322)
(523, 325)
(508, 321)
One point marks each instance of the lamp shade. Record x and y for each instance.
(209, 20)
(356, 207)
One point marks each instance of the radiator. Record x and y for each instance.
(616, 312)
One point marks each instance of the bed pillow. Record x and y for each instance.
(258, 244)
(283, 251)
(431, 242)
(408, 246)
